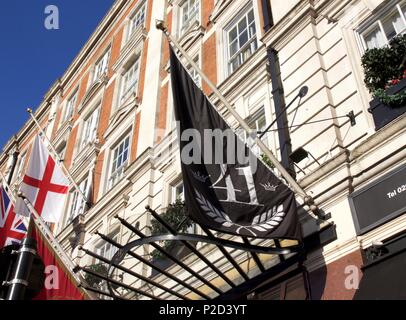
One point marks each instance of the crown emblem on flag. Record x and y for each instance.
(269, 187)
(198, 176)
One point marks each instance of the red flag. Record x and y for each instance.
(59, 281)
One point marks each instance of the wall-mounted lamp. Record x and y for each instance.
(300, 154)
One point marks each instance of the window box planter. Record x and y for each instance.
(384, 114)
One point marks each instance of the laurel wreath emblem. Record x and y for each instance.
(264, 222)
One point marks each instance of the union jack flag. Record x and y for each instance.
(12, 227)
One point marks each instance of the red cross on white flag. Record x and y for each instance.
(44, 185)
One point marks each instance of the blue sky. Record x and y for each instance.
(32, 58)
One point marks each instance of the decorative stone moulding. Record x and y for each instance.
(219, 8)
(94, 88)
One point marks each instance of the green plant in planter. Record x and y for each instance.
(176, 216)
(267, 161)
(95, 282)
(92, 280)
(385, 67)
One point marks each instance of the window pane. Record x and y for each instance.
(120, 161)
(239, 37)
(90, 128)
(243, 38)
(137, 20)
(232, 35)
(252, 30)
(251, 16)
(129, 81)
(375, 38)
(189, 14)
(242, 25)
(178, 193)
(233, 48)
(101, 66)
(235, 63)
(393, 25)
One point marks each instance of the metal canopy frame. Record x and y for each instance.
(186, 240)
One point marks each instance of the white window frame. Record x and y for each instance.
(70, 106)
(61, 149)
(102, 247)
(193, 73)
(77, 203)
(253, 122)
(125, 91)
(253, 40)
(117, 173)
(174, 192)
(101, 66)
(377, 22)
(134, 22)
(20, 167)
(90, 127)
(185, 7)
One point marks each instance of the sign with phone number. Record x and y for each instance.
(379, 202)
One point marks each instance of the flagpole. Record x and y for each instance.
(42, 226)
(67, 172)
(67, 261)
(308, 200)
(31, 208)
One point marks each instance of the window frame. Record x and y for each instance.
(106, 58)
(110, 182)
(197, 79)
(124, 96)
(86, 141)
(234, 22)
(20, 166)
(100, 244)
(131, 30)
(185, 25)
(61, 149)
(253, 118)
(77, 203)
(174, 193)
(376, 21)
(70, 107)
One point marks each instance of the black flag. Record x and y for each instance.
(227, 188)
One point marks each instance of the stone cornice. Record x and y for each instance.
(84, 158)
(93, 90)
(63, 132)
(188, 39)
(123, 112)
(219, 8)
(132, 46)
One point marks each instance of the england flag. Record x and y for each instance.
(44, 185)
